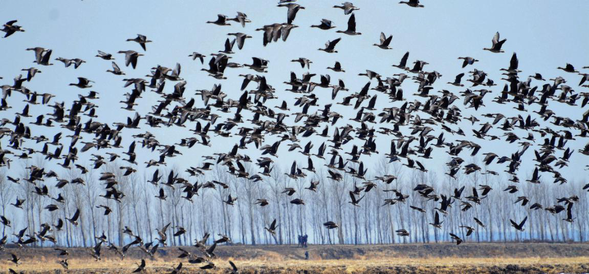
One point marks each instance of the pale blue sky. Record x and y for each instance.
(544, 34)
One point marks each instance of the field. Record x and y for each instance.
(401, 258)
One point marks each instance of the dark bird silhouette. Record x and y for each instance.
(272, 228)
(519, 226)
(497, 44)
(141, 40)
(412, 3)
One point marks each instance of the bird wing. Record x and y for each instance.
(496, 38)
(233, 265)
(76, 215)
(352, 23)
(523, 222)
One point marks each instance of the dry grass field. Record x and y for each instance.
(405, 258)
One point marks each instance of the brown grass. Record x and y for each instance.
(432, 258)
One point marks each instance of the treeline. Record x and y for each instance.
(373, 221)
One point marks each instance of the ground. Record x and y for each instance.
(398, 258)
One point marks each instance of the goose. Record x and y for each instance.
(221, 20)
(74, 219)
(354, 201)
(437, 223)
(107, 209)
(10, 28)
(293, 9)
(519, 226)
(19, 203)
(14, 259)
(455, 238)
(297, 201)
(568, 68)
(140, 267)
(31, 72)
(258, 64)
(272, 228)
(467, 61)
(104, 55)
(230, 200)
(347, 7)
(337, 67)
(402, 232)
(240, 18)
(141, 40)
(330, 46)
(42, 56)
(537, 76)
(116, 70)
(228, 49)
(177, 269)
(325, 25)
(457, 80)
(497, 44)
(5, 221)
(304, 62)
(351, 30)
(330, 225)
(239, 38)
(196, 55)
(313, 186)
(131, 57)
(384, 41)
(162, 196)
(412, 3)
(208, 265)
(569, 217)
(403, 63)
(234, 269)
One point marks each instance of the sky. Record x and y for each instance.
(544, 34)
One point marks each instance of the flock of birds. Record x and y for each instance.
(102, 140)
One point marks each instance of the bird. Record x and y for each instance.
(272, 228)
(324, 25)
(437, 223)
(568, 68)
(467, 61)
(131, 57)
(116, 70)
(497, 44)
(353, 199)
(5, 221)
(455, 238)
(221, 21)
(74, 219)
(351, 30)
(337, 67)
(347, 7)
(140, 267)
(330, 225)
(384, 41)
(412, 3)
(330, 46)
(304, 62)
(141, 40)
(240, 18)
(234, 269)
(292, 11)
(104, 55)
(519, 226)
(239, 39)
(82, 83)
(14, 259)
(10, 27)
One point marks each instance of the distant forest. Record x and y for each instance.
(385, 208)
